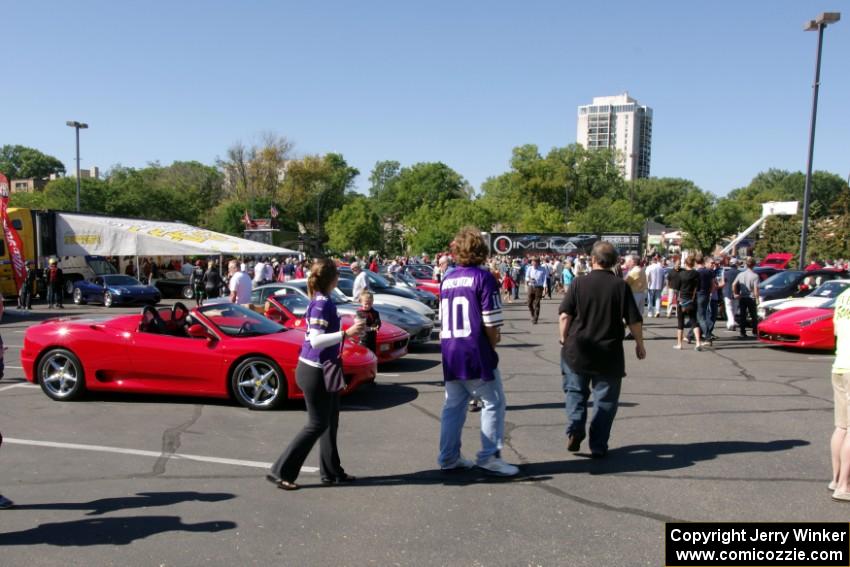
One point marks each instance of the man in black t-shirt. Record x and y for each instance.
(591, 324)
(673, 287)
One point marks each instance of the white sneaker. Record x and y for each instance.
(499, 467)
(832, 486)
(460, 463)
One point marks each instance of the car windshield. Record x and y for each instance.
(830, 289)
(296, 303)
(100, 267)
(406, 278)
(238, 321)
(336, 296)
(780, 280)
(421, 272)
(121, 280)
(377, 281)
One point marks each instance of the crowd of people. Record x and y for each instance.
(603, 302)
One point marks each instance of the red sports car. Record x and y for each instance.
(799, 327)
(392, 341)
(219, 351)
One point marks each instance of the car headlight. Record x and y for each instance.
(762, 313)
(119, 291)
(384, 347)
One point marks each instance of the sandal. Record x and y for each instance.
(280, 483)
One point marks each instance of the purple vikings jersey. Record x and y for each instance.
(469, 301)
(321, 316)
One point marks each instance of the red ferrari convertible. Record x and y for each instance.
(392, 341)
(219, 351)
(799, 327)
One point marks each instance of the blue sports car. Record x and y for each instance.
(115, 289)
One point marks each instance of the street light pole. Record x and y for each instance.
(814, 25)
(77, 126)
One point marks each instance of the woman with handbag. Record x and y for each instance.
(319, 375)
(688, 281)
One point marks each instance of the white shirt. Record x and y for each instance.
(240, 282)
(655, 276)
(268, 273)
(258, 272)
(360, 283)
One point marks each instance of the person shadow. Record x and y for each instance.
(658, 457)
(107, 531)
(140, 500)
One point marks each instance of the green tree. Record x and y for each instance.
(355, 227)
(607, 215)
(430, 228)
(21, 162)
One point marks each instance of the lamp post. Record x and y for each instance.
(818, 25)
(77, 126)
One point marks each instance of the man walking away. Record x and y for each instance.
(746, 290)
(535, 278)
(729, 301)
(471, 315)
(196, 282)
(704, 290)
(591, 324)
(655, 284)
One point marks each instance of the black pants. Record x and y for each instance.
(535, 294)
(747, 305)
(322, 425)
(26, 296)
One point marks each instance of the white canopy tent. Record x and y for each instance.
(89, 235)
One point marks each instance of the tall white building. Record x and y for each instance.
(619, 123)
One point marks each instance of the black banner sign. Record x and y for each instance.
(530, 244)
(765, 544)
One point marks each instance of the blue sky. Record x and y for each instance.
(461, 82)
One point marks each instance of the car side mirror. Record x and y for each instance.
(197, 331)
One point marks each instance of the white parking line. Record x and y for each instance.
(141, 453)
(388, 375)
(15, 367)
(24, 385)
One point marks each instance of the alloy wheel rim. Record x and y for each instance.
(59, 375)
(258, 384)
(78, 296)
(107, 300)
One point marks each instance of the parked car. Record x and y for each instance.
(380, 285)
(778, 260)
(115, 289)
(403, 280)
(796, 283)
(391, 341)
(800, 327)
(219, 351)
(417, 326)
(174, 284)
(823, 295)
(346, 287)
(764, 272)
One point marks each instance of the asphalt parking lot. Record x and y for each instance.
(737, 433)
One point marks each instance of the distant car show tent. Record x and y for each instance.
(92, 235)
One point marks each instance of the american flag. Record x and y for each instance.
(274, 212)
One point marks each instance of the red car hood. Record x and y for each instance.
(790, 317)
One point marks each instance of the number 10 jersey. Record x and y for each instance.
(469, 301)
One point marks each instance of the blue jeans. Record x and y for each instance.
(654, 302)
(704, 318)
(458, 393)
(606, 398)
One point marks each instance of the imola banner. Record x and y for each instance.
(13, 239)
(532, 244)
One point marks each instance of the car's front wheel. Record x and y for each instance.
(258, 383)
(107, 299)
(78, 297)
(187, 292)
(60, 375)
